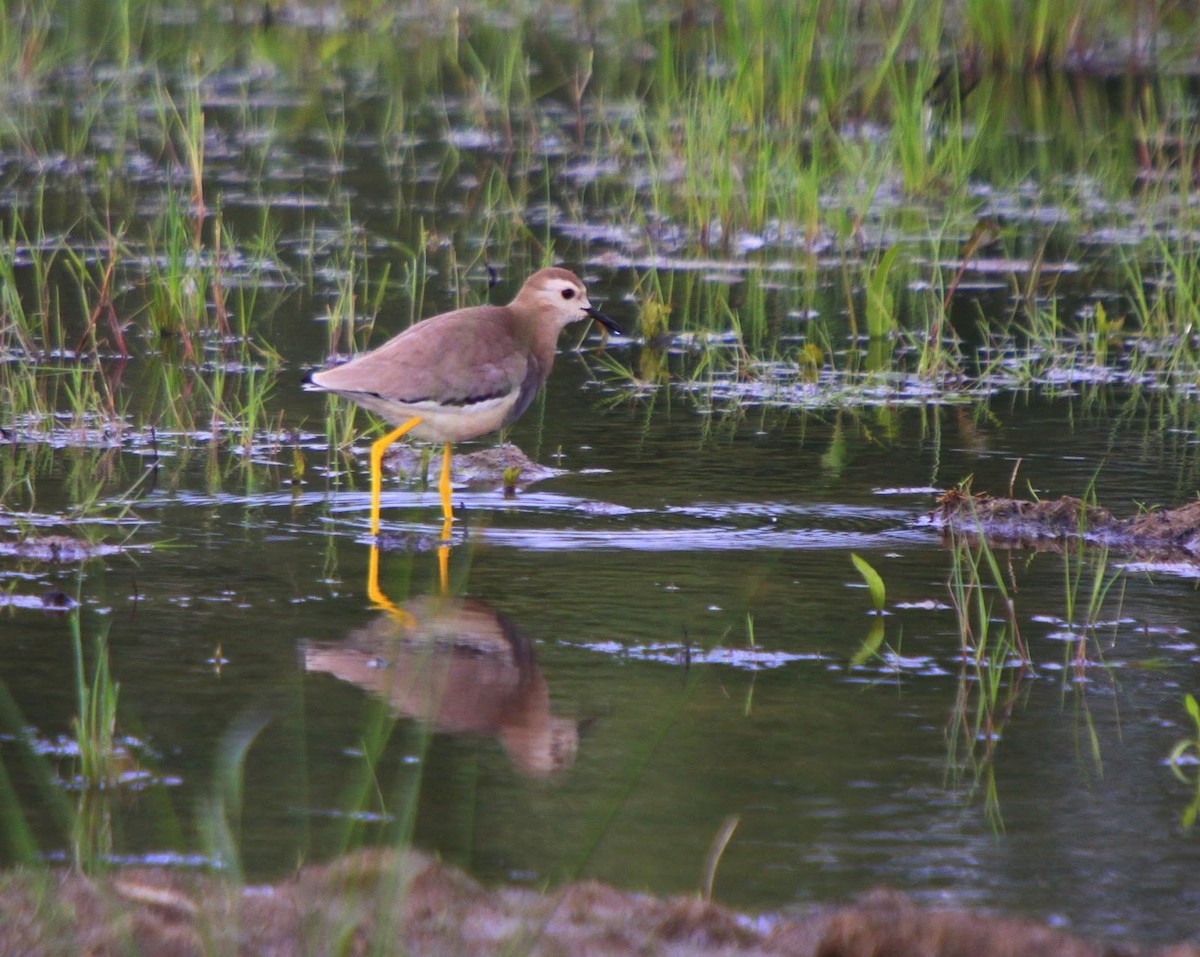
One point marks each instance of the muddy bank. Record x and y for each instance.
(404, 902)
(1172, 533)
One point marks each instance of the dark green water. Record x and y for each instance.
(679, 528)
(839, 777)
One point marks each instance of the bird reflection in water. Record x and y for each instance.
(459, 665)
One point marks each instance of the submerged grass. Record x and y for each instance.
(994, 665)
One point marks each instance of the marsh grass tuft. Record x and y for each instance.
(993, 666)
(95, 723)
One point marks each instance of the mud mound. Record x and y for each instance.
(402, 902)
(1162, 533)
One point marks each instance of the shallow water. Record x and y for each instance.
(840, 776)
(683, 597)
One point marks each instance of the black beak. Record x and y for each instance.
(603, 320)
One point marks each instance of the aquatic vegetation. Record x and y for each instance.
(94, 762)
(101, 760)
(995, 663)
(820, 156)
(1186, 753)
(873, 581)
(864, 248)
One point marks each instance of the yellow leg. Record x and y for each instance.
(378, 598)
(378, 447)
(374, 592)
(444, 569)
(445, 490)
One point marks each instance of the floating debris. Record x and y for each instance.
(1173, 531)
(51, 600)
(58, 549)
(751, 659)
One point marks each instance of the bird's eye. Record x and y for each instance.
(568, 294)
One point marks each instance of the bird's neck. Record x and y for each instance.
(545, 343)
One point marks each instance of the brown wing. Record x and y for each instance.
(457, 359)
